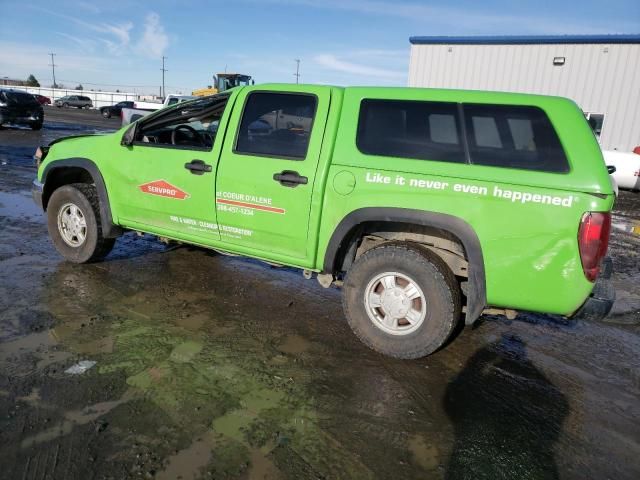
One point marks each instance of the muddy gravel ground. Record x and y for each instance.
(209, 366)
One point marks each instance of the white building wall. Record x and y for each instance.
(600, 78)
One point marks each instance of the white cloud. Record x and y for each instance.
(116, 36)
(85, 44)
(121, 32)
(334, 63)
(154, 41)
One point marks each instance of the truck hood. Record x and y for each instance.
(58, 140)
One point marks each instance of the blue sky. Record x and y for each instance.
(119, 43)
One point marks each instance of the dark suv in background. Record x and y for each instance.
(77, 101)
(20, 108)
(114, 110)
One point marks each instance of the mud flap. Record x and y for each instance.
(601, 300)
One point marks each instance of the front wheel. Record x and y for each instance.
(36, 126)
(401, 300)
(73, 220)
(106, 114)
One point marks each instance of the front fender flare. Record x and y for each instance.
(109, 229)
(477, 291)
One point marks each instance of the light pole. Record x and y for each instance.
(163, 70)
(53, 69)
(297, 74)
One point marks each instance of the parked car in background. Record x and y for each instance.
(20, 108)
(114, 110)
(627, 168)
(78, 101)
(142, 109)
(42, 100)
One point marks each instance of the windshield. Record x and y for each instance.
(19, 97)
(185, 109)
(226, 83)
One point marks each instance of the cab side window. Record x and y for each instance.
(276, 125)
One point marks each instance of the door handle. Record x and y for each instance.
(197, 167)
(289, 178)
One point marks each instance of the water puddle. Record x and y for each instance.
(16, 155)
(20, 206)
(221, 384)
(33, 399)
(425, 455)
(74, 418)
(294, 345)
(38, 341)
(187, 464)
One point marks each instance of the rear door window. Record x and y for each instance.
(513, 137)
(410, 129)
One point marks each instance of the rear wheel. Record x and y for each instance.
(401, 300)
(73, 215)
(36, 125)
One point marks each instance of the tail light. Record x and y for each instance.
(593, 240)
(637, 150)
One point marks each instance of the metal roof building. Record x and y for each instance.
(601, 73)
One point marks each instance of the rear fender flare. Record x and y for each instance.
(477, 291)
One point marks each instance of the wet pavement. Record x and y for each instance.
(209, 366)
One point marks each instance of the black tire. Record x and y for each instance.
(36, 126)
(65, 105)
(84, 196)
(441, 295)
(106, 113)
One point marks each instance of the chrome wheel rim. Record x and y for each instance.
(395, 303)
(72, 225)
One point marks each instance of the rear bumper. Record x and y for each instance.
(6, 116)
(601, 300)
(36, 192)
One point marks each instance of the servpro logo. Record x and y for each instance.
(163, 188)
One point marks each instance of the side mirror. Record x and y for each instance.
(129, 136)
(611, 169)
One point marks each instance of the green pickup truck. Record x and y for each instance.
(426, 206)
